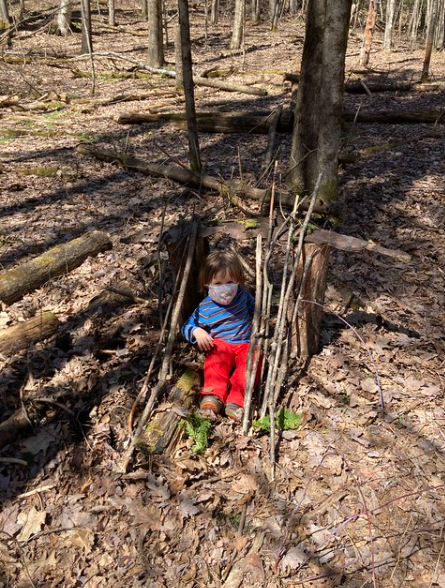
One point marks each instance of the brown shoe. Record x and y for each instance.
(211, 402)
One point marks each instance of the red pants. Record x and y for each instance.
(225, 371)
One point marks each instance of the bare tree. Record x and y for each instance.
(214, 12)
(87, 31)
(433, 10)
(316, 138)
(414, 22)
(369, 31)
(390, 13)
(111, 13)
(64, 17)
(5, 19)
(187, 76)
(237, 40)
(155, 38)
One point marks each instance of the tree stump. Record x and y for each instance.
(175, 240)
(306, 332)
(17, 282)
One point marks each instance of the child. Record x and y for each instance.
(221, 327)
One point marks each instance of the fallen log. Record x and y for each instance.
(197, 80)
(363, 86)
(180, 174)
(260, 123)
(23, 334)
(250, 228)
(163, 431)
(219, 122)
(59, 260)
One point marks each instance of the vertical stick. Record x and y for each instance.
(252, 364)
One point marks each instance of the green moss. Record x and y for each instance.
(43, 172)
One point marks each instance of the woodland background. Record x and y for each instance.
(356, 499)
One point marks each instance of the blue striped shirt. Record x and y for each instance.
(231, 322)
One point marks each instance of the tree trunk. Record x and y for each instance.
(424, 78)
(255, 12)
(155, 37)
(87, 31)
(144, 9)
(5, 19)
(214, 13)
(111, 13)
(187, 75)
(369, 30)
(64, 17)
(415, 20)
(23, 334)
(293, 7)
(179, 79)
(390, 10)
(60, 260)
(316, 139)
(237, 40)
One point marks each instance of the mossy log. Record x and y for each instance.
(59, 260)
(23, 334)
(163, 430)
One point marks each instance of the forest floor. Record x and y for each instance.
(357, 498)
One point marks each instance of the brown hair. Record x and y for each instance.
(218, 261)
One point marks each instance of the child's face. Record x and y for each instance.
(222, 278)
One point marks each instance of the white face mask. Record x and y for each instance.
(224, 293)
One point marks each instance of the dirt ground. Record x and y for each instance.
(357, 499)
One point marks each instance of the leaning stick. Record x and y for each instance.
(168, 351)
(253, 357)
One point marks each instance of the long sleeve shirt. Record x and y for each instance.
(231, 322)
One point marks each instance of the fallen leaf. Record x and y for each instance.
(33, 521)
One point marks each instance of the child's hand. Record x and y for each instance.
(203, 339)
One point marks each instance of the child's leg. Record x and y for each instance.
(238, 379)
(217, 367)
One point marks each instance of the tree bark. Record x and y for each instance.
(369, 31)
(306, 337)
(390, 10)
(155, 38)
(60, 260)
(237, 39)
(316, 139)
(424, 78)
(23, 334)
(5, 19)
(64, 17)
(87, 30)
(163, 430)
(187, 76)
(111, 13)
